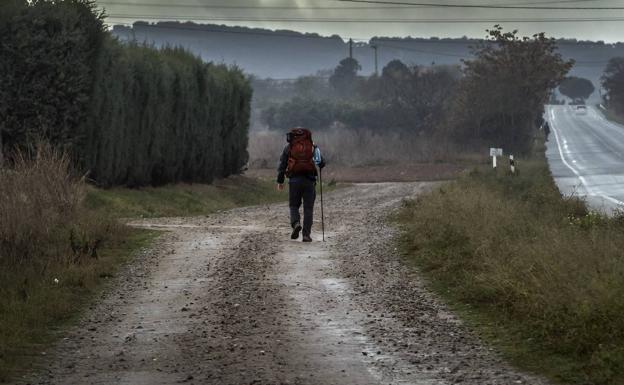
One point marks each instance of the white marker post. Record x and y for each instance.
(494, 152)
(512, 164)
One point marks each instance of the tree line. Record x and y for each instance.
(493, 100)
(613, 84)
(402, 98)
(128, 114)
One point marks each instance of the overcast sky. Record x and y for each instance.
(348, 17)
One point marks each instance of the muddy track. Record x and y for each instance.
(230, 299)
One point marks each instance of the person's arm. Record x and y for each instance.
(318, 157)
(283, 164)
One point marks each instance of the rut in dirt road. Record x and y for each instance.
(230, 299)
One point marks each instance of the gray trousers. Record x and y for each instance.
(298, 192)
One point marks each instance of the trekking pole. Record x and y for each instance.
(322, 213)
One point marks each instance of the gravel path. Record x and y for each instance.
(230, 299)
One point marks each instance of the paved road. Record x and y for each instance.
(586, 156)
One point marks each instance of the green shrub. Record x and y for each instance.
(129, 114)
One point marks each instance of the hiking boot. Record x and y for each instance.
(296, 231)
(307, 238)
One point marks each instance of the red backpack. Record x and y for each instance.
(301, 153)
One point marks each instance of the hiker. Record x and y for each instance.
(298, 162)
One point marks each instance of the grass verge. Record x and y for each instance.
(535, 273)
(34, 308)
(183, 200)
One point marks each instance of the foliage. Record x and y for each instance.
(164, 116)
(540, 273)
(504, 89)
(576, 88)
(40, 200)
(613, 83)
(48, 55)
(344, 78)
(314, 114)
(402, 99)
(129, 114)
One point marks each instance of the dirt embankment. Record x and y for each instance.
(230, 299)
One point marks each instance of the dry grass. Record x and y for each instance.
(183, 199)
(546, 272)
(348, 147)
(36, 198)
(46, 234)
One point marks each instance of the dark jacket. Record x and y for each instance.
(283, 164)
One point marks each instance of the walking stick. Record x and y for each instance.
(322, 213)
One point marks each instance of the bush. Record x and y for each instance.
(164, 116)
(537, 263)
(41, 216)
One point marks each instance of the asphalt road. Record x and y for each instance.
(586, 156)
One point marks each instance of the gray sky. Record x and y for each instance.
(212, 11)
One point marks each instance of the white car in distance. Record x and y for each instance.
(580, 109)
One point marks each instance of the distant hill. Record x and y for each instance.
(287, 54)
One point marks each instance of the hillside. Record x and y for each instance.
(288, 54)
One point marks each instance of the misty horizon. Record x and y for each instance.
(364, 21)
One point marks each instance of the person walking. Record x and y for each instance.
(299, 162)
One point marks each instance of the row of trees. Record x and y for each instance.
(128, 114)
(495, 99)
(402, 98)
(613, 83)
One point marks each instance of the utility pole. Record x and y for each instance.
(350, 48)
(374, 46)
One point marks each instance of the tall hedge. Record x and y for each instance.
(130, 114)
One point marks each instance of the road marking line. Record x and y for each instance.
(590, 191)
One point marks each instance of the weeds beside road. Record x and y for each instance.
(183, 199)
(537, 274)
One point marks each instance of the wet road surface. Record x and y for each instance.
(586, 156)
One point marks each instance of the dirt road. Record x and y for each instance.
(230, 299)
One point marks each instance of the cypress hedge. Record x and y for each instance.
(129, 114)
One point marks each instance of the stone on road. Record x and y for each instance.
(230, 299)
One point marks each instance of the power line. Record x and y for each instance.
(256, 7)
(264, 32)
(291, 7)
(485, 6)
(364, 21)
